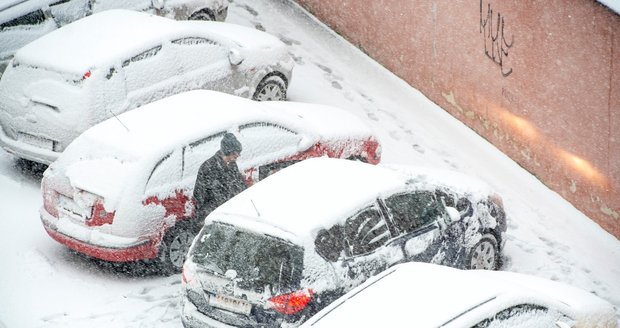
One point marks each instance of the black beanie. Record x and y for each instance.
(230, 144)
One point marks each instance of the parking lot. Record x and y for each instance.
(43, 284)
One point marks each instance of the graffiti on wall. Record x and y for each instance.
(496, 45)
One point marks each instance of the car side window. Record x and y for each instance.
(523, 315)
(266, 140)
(166, 171)
(199, 151)
(366, 231)
(271, 168)
(413, 210)
(197, 54)
(143, 55)
(330, 243)
(193, 41)
(67, 11)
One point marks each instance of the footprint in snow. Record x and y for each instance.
(418, 148)
(298, 59)
(372, 116)
(324, 68)
(395, 135)
(336, 85)
(451, 164)
(288, 41)
(249, 9)
(259, 26)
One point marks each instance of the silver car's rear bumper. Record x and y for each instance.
(26, 151)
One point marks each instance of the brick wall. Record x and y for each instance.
(540, 79)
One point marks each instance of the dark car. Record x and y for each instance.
(289, 245)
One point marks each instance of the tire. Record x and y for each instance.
(270, 88)
(173, 248)
(358, 158)
(485, 254)
(204, 15)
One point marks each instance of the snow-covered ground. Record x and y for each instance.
(42, 284)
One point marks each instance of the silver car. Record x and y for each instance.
(22, 21)
(92, 69)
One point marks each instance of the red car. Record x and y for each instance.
(122, 191)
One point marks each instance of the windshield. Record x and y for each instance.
(260, 260)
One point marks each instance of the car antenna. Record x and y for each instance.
(256, 209)
(119, 120)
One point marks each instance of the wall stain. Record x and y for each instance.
(495, 42)
(608, 211)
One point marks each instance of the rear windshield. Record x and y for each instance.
(85, 148)
(260, 260)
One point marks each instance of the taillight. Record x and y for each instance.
(291, 303)
(99, 215)
(86, 75)
(50, 199)
(373, 150)
(184, 275)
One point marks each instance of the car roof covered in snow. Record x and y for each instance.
(101, 40)
(319, 192)
(454, 293)
(163, 125)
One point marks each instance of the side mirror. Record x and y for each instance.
(305, 143)
(235, 57)
(453, 215)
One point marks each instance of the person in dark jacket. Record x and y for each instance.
(218, 178)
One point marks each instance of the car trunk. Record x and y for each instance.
(43, 108)
(243, 274)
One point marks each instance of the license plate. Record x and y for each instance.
(70, 208)
(36, 141)
(231, 304)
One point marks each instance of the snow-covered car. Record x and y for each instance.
(23, 21)
(123, 190)
(426, 296)
(68, 80)
(292, 243)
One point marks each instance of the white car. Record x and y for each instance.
(22, 21)
(122, 191)
(425, 295)
(102, 65)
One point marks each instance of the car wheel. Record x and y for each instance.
(270, 88)
(174, 247)
(484, 255)
(358, 158)
(204, 15)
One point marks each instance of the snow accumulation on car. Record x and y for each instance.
(122, 191)
(289, 245)
(426, 296)
(68, 80)
(23, 21)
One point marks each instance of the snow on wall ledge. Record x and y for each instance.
(541, 82)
